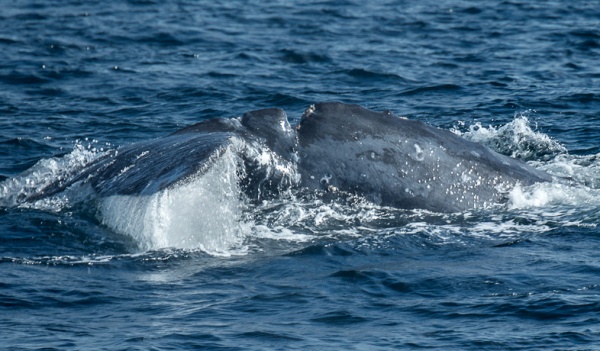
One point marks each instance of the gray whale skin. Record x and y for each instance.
(335, 148)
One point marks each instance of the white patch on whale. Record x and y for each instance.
(419, 155)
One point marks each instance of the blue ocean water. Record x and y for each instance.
(78, 78)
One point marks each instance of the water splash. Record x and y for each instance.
(516, 139)
(580, 170)
(204, 213)
(15, 191)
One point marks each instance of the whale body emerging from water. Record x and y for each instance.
(335, 149)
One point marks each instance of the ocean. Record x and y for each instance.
(79, 79)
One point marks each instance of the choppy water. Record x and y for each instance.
(78, 78)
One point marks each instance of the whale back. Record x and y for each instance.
(273, 128)
(403, 163)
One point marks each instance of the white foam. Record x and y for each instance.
(15, 191)
(576, 183)
(584, 170)
(280, 233)
(273, 165)
(552, 194)
(516, 139)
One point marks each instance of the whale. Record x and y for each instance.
(335, 149)
(403, 163)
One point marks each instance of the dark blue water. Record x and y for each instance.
(78, 78)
